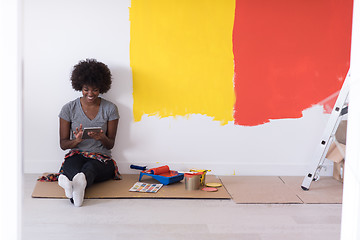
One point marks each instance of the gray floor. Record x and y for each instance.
(174, 219)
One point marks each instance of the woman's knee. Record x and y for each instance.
(100, 171)
(72, 166)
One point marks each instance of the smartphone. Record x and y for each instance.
(90, 129)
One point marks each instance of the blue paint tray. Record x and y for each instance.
(166, 180)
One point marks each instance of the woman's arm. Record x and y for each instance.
(65, 142)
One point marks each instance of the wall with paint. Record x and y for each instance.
(238, 87)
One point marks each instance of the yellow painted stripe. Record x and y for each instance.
(181, 58)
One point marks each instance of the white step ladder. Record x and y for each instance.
(322, 147)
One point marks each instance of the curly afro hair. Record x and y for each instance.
(92, 73)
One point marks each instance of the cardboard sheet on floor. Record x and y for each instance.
(325, 190)
(120, 189)
(259, 189)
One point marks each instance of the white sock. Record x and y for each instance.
(79, 185)
(66, 184)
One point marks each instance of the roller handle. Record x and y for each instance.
(143, 168)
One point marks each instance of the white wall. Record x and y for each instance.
(350, 227)
(10, 120)
(59, 33)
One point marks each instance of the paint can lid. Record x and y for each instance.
(209, 189)
(215, 185)
(192, 174)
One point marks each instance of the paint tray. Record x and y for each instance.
(166, 180)
(163, 175)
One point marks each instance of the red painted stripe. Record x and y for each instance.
(289, 55)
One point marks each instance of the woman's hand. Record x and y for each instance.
(78, 133)
(97, 135)
(107, 139)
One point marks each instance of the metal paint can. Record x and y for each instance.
(203, 175)
(192, 180)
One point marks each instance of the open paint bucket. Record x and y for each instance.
(192, 180)
(203, 174)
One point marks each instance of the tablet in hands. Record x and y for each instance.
(90, 129)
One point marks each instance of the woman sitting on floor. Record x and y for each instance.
(89, 160)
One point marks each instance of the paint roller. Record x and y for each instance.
(159, 170)
(155, 171)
